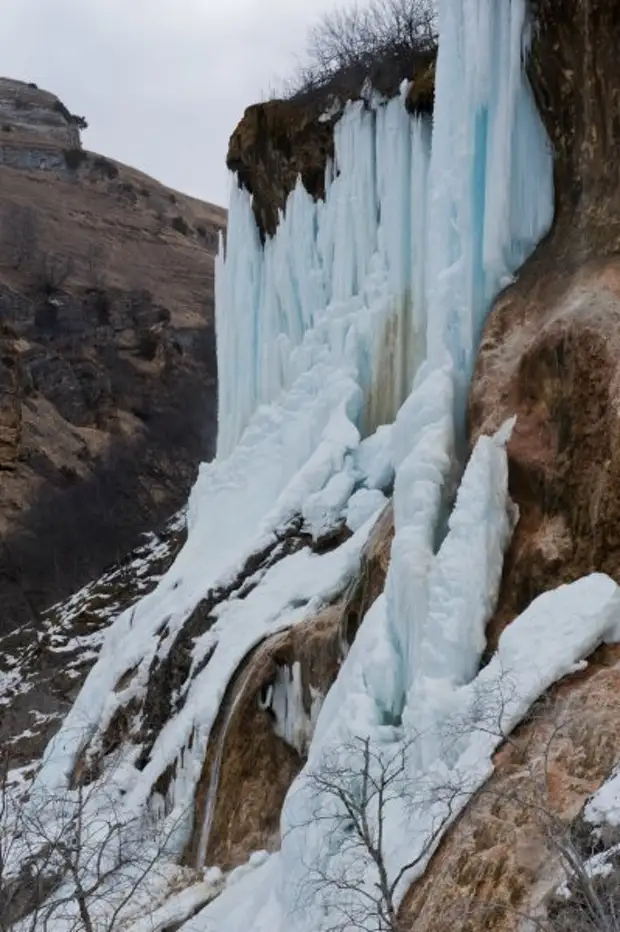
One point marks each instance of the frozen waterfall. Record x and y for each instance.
(418, 232)
(390, 279)
(342, 279)
(345, 347)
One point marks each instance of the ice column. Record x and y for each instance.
(491, 174)
(341, 280)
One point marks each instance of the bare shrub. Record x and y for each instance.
(353, 789)
(75, 858)
(383, 41)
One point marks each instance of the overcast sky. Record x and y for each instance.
(162, 83)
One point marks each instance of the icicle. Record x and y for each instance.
(292, 721)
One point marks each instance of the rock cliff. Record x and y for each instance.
(107, 361)
(279, 141)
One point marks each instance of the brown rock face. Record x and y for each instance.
(497, 867)
(260, 772)
(107, 368)
(272, 146)
(551, 354)
(253, 776)
(576, 80)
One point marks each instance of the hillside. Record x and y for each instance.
(107, 370)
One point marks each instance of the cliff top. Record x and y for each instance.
(37, 117)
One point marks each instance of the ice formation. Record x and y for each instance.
(285, 700)
(345, 346)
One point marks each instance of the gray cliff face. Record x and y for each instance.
(35, 127)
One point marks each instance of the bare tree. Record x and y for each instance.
(73, 857)
(353, 788)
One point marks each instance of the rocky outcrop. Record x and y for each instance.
(107, 353)
(549, 350)
(44, 663)
(550, 354)
(573, 70)
(260, 771)
(279, 141)
(274, 144)
(29, 113)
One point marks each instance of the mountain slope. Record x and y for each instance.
(107, 372)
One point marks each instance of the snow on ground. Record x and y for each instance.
(43, 665)
(604, 806)
(542, 645)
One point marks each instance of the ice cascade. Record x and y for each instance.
(343, 278)
(345, 347)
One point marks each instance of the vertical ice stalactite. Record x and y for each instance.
(238, 286)
(486, 213)
(403, 146)
(293, 722)
(341, 279)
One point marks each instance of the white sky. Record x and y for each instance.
(162, 83)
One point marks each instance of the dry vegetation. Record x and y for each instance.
(382, 41)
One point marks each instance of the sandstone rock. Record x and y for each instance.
(272, 146)
(279, 141)
(256, 767)
(550, 355)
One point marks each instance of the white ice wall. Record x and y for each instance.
(491, 173)
(415, 251)
(445, 235)
(343, 277)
